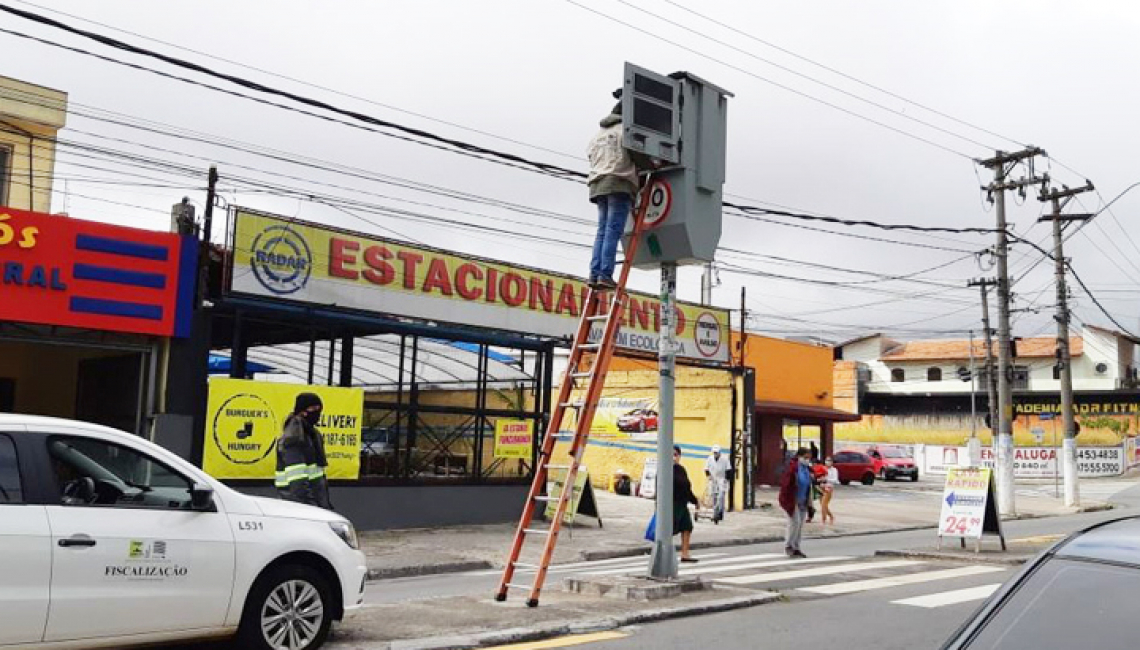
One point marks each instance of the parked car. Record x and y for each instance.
(638, 420)
(1080, 593)
(893, 462)
(108, 541)
(854, 466)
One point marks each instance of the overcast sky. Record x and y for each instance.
(533, 77)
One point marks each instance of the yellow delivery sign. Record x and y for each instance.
(513, 438)
(244, 419)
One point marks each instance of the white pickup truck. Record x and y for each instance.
(108, 541)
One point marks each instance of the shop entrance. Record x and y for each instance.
(103, 378)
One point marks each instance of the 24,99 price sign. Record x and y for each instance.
(964, 502)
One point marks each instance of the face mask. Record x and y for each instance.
(312, 417)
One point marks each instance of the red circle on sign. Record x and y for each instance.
(707, 346)
(660, 200)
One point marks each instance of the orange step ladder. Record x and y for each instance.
(588, 362)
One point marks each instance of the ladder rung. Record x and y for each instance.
(548, 466)
(582, 375)
(602, 317)
(591, 346)
(526, 565)
(536, 531)
(514, 586)
(573, 405)
(544, 499)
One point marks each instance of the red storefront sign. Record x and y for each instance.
(62, 271)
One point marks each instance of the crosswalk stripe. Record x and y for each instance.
(633, 563)
(896, 581)
(701, 570)
(821, 571)
(941, 599)
(703, 563)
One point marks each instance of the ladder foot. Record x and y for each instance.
(501, 597)
(532, 602)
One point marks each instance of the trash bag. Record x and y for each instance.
(651, 530)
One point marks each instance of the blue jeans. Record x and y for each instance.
(613, 211)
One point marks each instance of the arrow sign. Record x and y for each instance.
(950, 499)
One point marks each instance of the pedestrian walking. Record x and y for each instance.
(301, 458)
(828, 483)
(613, 183)
(716, 469)
(682, 497)
(795, 493)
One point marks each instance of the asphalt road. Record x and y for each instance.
(862, 619)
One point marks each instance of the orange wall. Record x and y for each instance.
(788, 371)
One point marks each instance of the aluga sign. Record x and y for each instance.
(278, 257)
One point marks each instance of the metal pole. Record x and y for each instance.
(974, 445)
(664, 560)
(707, 285)
(1069, 449)
(1003, 441)
(991, 378)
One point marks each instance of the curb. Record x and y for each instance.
(551, 630)
(970, 558)
(378, 574)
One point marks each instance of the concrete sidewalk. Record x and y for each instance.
(470, 622)
(858, 510)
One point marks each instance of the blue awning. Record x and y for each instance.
(220, 364)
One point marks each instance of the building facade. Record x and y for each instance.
(928, 385)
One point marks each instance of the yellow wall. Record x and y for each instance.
(30, 117)
(788, 371)
(703, 418)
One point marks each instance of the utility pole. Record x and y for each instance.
(707, 285)
(207, 232)
(1060, 198)
(991, 379)
(1002, 164)
(663, 564)
(973, 405)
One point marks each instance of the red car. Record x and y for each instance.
(638, 420)
(854, 466)
(893, 462)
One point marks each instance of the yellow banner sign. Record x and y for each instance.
(244, 419)
(514, 438)
(279, 257)
(555, 480)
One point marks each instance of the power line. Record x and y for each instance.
(771, 82)
(843, 74)
(303, 82)
(801, 75)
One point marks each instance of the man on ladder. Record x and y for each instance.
(613, 183)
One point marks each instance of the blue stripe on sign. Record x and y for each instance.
(120, 247)
(118, 276)
(115, 308)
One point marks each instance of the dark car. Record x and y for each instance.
(638, 420)
(854, 466)
(893, 462)
(1079, 594)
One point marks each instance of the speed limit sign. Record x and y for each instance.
(660, 200)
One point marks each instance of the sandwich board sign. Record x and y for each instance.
(969, 507)
(582, 501)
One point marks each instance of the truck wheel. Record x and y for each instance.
(843, 482)
(288, 608)
(914, 477)
(868, 479)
